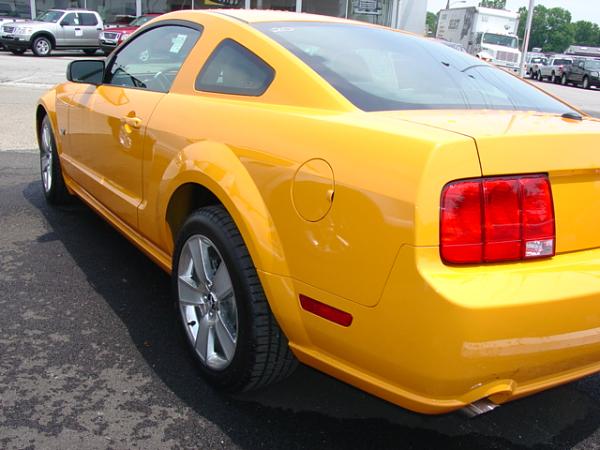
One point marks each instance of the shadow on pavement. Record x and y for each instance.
(309, 410)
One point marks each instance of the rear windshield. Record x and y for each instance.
(378, 69)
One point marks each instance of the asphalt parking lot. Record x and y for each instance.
(90, 356)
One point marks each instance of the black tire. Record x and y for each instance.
(41, 46)
(586, 83)
(90, 51)
(17, 51)
(563, 80)
(539, 76)
(553, 78)
(262, 355)
(55, 190)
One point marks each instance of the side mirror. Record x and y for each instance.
(89, 71)
(63, 23)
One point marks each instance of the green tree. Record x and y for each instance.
(431, 22)
(551, 28)
(586, 33)
(496, 4)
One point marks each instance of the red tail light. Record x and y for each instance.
(497, 219)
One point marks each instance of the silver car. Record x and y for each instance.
(54, 29)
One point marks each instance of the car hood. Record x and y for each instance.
(34, 23)
(120, 29)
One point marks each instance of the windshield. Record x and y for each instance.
(141, 21)
(563, 62)
(378, 69)
(592, 65)
(50, 16)
(499, 39)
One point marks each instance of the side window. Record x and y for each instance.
(70, 19)
(152, 60)
(233, 69)
(88, 19)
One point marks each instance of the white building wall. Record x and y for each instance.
(410, 15)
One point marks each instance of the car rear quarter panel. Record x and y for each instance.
(381, 169)
(252, 152)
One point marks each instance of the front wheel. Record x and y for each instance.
(52, 179)
(586, 83)
(89, 51)
(553, 78)
(563, 80)
(224, 313)
(42, 46)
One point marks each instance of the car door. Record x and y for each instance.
(91, 30)
(108, 122)
(70, 30)
(577, 71)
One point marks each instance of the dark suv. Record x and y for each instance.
(585, 72)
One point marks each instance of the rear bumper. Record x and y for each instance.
(443, 337)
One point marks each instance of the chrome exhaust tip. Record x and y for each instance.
(479, 407)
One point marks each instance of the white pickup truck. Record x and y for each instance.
(55, 29)
(553, 69)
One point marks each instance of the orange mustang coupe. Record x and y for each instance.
(397, 214)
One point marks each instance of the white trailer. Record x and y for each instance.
(489, 34)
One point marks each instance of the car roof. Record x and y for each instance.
(71, 10)
(266, 15)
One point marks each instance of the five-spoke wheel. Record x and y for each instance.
(224, 313)
(50, 170)
(207, 302)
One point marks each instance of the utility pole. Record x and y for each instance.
(526, 37)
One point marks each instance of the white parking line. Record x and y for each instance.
(40, 86)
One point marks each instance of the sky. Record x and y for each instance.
(580, 9)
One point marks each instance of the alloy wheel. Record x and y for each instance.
(207, 302)
(42, 47)
(46, 158)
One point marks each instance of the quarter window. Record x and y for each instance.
(233, 69)
(152, 60)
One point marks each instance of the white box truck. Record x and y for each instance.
(489, 34)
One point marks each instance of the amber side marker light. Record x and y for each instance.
(325, 311)
(496, 219)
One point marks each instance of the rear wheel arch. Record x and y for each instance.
(186, 199)
(211, 174)
(259, 237)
